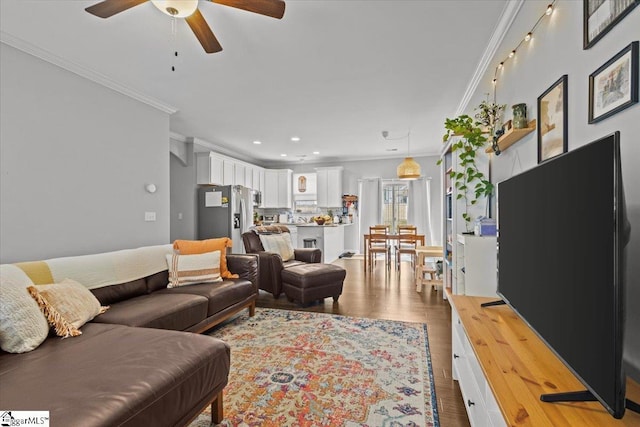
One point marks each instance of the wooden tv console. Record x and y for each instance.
(503, 367)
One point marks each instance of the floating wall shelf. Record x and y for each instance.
(512, 136)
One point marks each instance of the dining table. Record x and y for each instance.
(419, 238)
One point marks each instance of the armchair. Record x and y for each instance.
(271, 264)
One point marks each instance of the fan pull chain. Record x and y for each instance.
(174, 41)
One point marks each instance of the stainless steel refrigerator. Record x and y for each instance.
(225, 211)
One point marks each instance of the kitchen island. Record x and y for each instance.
(329, 238)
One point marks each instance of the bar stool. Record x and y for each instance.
(430, 269)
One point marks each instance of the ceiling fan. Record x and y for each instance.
(188, 9)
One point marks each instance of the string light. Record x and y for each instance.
(527, 37)
(549, 10)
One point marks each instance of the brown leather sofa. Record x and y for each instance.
(271, 264)
(135, 365)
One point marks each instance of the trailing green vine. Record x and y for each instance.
(469, 181)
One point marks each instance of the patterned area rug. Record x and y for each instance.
(292, 368)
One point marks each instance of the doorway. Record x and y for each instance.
(395, 204)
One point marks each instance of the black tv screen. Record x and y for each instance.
(562, 229)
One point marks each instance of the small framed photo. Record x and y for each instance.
(552, 120)
(507, 126)
(600, 16)
(614, 86)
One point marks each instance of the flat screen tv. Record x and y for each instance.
(561, 263)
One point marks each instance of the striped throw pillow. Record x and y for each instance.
(278, 243)
(193, 269)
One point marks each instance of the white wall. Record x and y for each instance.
(74, 159)
(556, 49)
(183, 199)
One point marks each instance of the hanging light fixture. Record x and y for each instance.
(409, 168)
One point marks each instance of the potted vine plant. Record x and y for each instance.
(470, 182)
(490, 116)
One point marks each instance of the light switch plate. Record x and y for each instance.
(149, 216)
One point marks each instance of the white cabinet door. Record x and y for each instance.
(209, 169)
(277, 188)
(248, 177)
(285, 189)
(334, 188)
(238, 176)
(329, 187)
(270, 194)
(255, 172)
(261, 185)
(476, 265)
(228, 172)
(322, 181)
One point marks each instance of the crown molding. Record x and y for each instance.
(83, 71)
(509, 13)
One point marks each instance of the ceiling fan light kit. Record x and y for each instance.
(176, 8)
(188, 10)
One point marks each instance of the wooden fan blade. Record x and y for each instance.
(108, 8)
(272, 8)
(202, 31)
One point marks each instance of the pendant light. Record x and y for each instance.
(409, 168)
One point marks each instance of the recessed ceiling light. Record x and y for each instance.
(295, 138)
(283, 155)
(316, 152)
(257, 142)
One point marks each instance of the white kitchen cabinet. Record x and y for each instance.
(277, 188)
(238, 174)
(209, 169)
(228, 171)
(248, 177)
(476, 271)
(329, 239)
(329, 184)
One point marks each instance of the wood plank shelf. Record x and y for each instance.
(512, 136)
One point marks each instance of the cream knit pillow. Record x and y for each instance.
(23, 327)
(278, 243)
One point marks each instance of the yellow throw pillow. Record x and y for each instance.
(278, 243)
(193, 269)
(192, 247)
(67, 306)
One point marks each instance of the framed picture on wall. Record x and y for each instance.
(552, 120)
(614, 86)
(600, 16)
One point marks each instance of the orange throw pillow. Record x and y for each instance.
(192, 247)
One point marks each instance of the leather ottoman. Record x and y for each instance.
(310, 282)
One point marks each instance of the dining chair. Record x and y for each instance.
(407, 244)
(379, 244)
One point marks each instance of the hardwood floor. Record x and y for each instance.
(389, 296)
